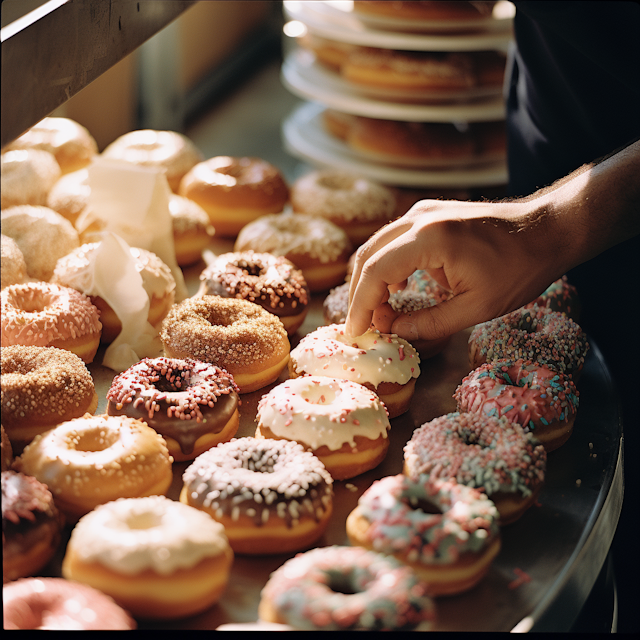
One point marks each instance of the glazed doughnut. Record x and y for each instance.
(192, 230)
(70, 195)
(319, 248)
(330, 53)
(381, 362)
(356, 204)
(237, 335)
(26, 176)
(337, 123)
(272, 496)
(271, 281)
(483, 452)
(13, 269)
(425, 10)
(235, 191)
(156, 557)
(42, 235)
(42, 387)
(59, 604)
(342, 423)
(539, 399)
(340, 588)
(537, 334)
(167, 150)
(31, 526)
(157, 281)
(192, 405)
(48, 315)
(336, 305)
(560, 296)
(6, 457)
(446, 532)
(95, 459)
(68, 141)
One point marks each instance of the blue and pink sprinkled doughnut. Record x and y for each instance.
(560, 296)
(451, 549)
(340, 588)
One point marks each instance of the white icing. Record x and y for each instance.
(372, 357)
(317, 411)
(130, 535)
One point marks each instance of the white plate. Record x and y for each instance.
(323, 21)
(304, 139)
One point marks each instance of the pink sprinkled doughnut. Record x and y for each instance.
(451, 549)
(559, 296)
(193, 405)
(482, 452)
(48, 315)
(543, 401)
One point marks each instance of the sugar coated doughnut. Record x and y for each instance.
(57, 604)
(70, 195)
(168, 150)
(483, 452)
(336, 305)
(26, 177)
(341, 422)
(13, 269)
(156, 557)
(42, 387)
(91, 460)
(356, 204)
(560, 296)
(235, 191)
(272, 496)
(340, 588)
(31, 526)
(237, 335)
(382, 362)
(48, 315)
(271, 281)
(192, 405)
(451, 549)
(42, 235)
(192, 230)
(540, 399)
(538, 334)
(319, 248)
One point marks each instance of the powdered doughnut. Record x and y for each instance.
(13, 269)
(559, 296)
(272, 496)
(192, 230)
(319, 248)
(192, 405)
(451, 549)
(482, 452)
(42, 387)
(48, 315)
(26, 176)
(237, 335)
(271, 281)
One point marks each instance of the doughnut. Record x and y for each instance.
(339, 588)
(157, 281)
(168, 150)
(68, 141)
(47, 315)
(538, 334)
(59, 604)
(157, 558)
(271, 281)
(31, 526)
(13, 269)
(319, 248)
(237, 335)
(95, 459)
(192, 230)
(235, 191)
(446, 532)
(342, 423)
(6, 457)
(272, 496)
(382, 362)
(483, 452)
(330, 53)
(42, 235)
(42, 387)
(26, 176)
(354, 203)
(425, 10)
(70, 195)
(539, 399)
(192, 405)
(560, 296)
(336, 305)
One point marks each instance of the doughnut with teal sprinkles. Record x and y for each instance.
(483, 452)
(341, 588)
(560, 296)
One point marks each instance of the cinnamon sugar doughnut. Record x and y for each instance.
(42, 387)
(237, 335)
(26, 177)
(13, 269)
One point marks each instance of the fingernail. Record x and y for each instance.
(406, 330)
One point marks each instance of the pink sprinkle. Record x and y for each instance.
(522, 578)
(401, 352)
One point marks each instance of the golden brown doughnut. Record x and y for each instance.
(192, 230)
(425, 9)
